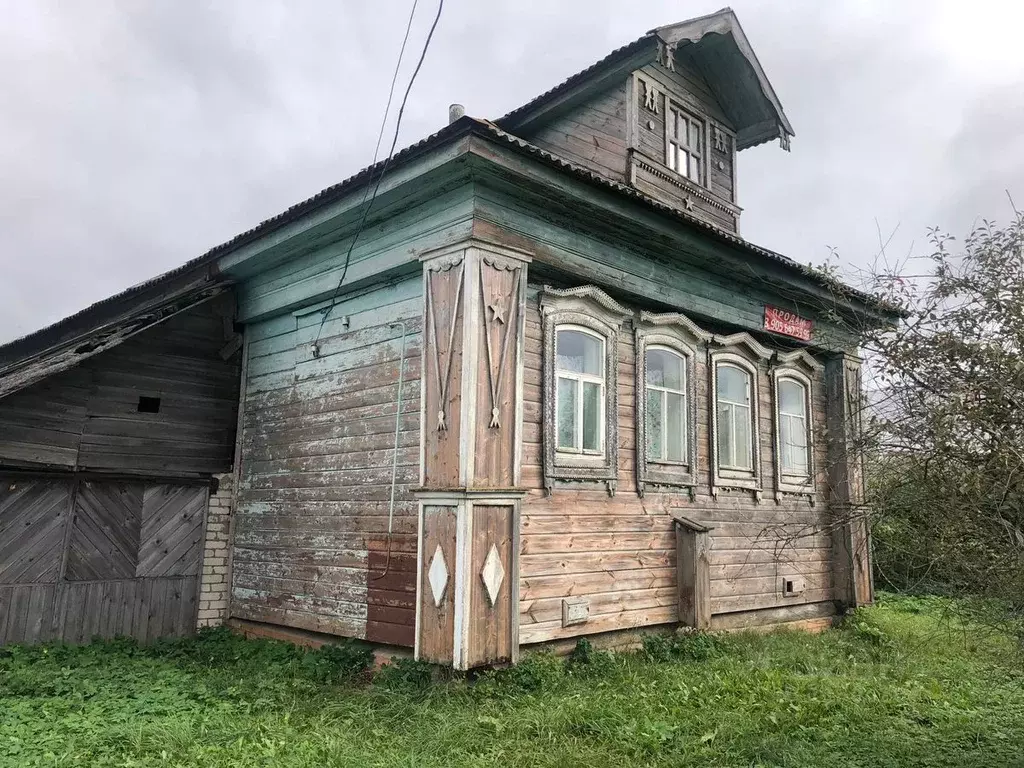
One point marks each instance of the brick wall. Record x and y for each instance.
(213, 592)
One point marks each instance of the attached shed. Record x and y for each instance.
(116, 427)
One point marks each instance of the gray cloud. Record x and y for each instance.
(134, 136)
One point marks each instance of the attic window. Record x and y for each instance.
(149, 404)
(684, 143)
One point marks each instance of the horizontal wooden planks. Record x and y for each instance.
(89, 417)
(579, 542)
(312, 543)
(592, 134)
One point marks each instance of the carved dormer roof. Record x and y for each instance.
(714, 44)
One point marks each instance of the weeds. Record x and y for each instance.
(898, 685)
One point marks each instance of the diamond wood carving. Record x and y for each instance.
(493, 574)
(438, 576)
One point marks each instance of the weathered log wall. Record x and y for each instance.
(311, 549)
(89, 417)
(620, 552)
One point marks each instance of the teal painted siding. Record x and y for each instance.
(391, 245)
(318, 443)
(646, 270)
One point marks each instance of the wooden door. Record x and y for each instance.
(33, 522)
(83, 559)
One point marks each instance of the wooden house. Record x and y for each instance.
(542, 389)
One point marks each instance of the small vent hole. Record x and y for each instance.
(789, 587)
(149, 404)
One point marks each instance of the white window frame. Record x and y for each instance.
(742, 351)
(664, 392)
(739, 470)
(674, 146)
(801, 367)
(804, 426)
(677, 333)
(580, 379)
(589, 309)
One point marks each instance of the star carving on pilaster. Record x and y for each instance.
(497, 311)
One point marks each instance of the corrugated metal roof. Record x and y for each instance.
(94, 316)
(616, 55)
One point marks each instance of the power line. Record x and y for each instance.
(387, 162)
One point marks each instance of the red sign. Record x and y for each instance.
(781, 321)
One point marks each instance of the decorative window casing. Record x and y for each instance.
(734, 400)
(792, 379)
(685, 143)
(583, 315)
(667, 406)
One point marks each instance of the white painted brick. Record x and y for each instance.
(213, 603)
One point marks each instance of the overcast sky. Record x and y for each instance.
(136, 135)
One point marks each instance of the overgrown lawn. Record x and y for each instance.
(901, 684)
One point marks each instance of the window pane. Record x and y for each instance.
(742, 444)
(580, 352)
(567, 413)
(694, 168)
(694, 135)
(725, 436)
(791, 397)
(655, 429)
(793, 439)
(591, 416)
(684, 163)
(664, 369)
(733, 384)
(675, 427)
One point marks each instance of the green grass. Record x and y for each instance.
(900, 685)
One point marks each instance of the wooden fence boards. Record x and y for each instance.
(131, 554)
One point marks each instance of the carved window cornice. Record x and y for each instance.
(801, 367)
(676, 332)
(590, 308)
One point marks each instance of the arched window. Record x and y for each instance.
(579, 390)
(580, 429)
(794, 459)
(735, 420)
(666, 406)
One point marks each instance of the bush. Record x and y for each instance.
(540, 671)
(405, 675)
(685, 645)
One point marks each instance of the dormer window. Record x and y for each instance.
(684, 143)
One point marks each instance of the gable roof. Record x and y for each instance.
(715, 45)
(111, 321)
